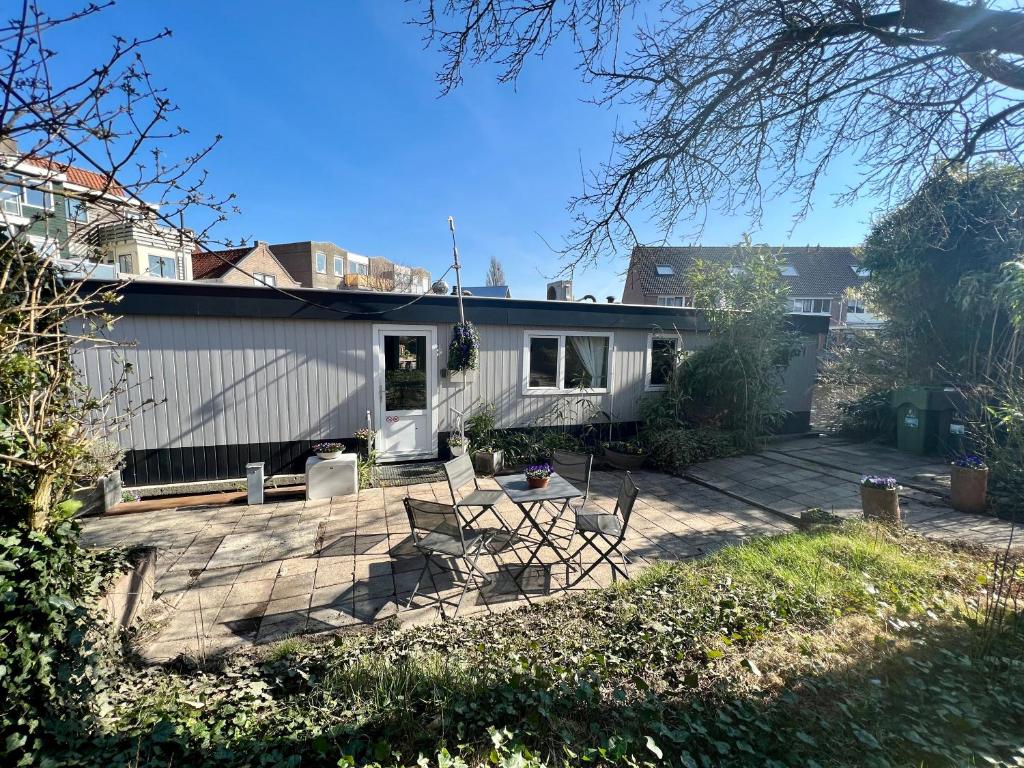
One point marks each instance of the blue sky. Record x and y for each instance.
(334, 130)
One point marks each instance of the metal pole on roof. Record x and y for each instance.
(458, 270)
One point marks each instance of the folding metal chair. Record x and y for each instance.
(610, 529)
(438, 531)
(460, 473)
(574, 467)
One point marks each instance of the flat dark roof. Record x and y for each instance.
(192, 299)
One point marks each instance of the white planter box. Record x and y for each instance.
(331, 477)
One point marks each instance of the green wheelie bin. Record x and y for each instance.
(923, 418)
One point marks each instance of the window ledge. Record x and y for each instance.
(555, 391)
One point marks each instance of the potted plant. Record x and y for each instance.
(482, 428)
(880, 499)
(458, 444)
(968, 483)
(328, 449)
(538, 475)
(463, 352)
(365, 437)
(624, 455)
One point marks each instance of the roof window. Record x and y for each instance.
(788, 270)
(664, 270)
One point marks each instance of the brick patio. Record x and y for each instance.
(234, 575)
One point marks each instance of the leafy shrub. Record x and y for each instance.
(869, 417)
(50, 656)
(734, 383)
(531, 446)
(481, 427)
(673, 450)
(628, 448)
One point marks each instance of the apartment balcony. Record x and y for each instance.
(142, 232)
(358, 281)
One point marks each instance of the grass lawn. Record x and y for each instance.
(845, 647)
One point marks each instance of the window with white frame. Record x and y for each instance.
(358, 268)
(321, 262)
(855, 307)
(664, 351)
(264, 278)
(10, 195)
(76, 211)
(664, 270)
(43, 246)
(564, 362)
(675, 301)
(18, 192)
(339, 265)
(38, 195)
(124, 263)
(813, 306)
(162, 266)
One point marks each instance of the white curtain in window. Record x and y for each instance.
(593, 353)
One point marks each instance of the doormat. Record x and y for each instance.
(389, 475)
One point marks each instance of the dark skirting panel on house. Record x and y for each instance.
(217, 462)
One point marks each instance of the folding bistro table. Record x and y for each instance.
(531, 501)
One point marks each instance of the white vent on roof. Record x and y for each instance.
(788, 270)
(664, 270)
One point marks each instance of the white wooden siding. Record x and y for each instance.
(223, 381)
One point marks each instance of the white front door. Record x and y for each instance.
(405, 377)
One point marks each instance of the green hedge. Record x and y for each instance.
(50, 635)
(673, 450)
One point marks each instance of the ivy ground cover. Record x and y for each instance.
(850, 646)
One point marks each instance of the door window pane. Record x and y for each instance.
(543, 362)
(586, 362)
(663, 360)
(405, 373)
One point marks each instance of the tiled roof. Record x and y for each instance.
(820, 270)
(79, 176)
(213, 264)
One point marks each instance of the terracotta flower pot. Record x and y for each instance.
(538, 482)
(880, 504)
(968, 488)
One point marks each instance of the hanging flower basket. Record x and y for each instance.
(464, 350)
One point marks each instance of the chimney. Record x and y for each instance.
(611, 299)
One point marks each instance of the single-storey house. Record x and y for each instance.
(237, 374)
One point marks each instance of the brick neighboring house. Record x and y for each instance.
(257, 260)
(819, 278)
(322, 264)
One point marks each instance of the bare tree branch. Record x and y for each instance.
(742, 101)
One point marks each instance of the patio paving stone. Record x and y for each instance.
(232, 576)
